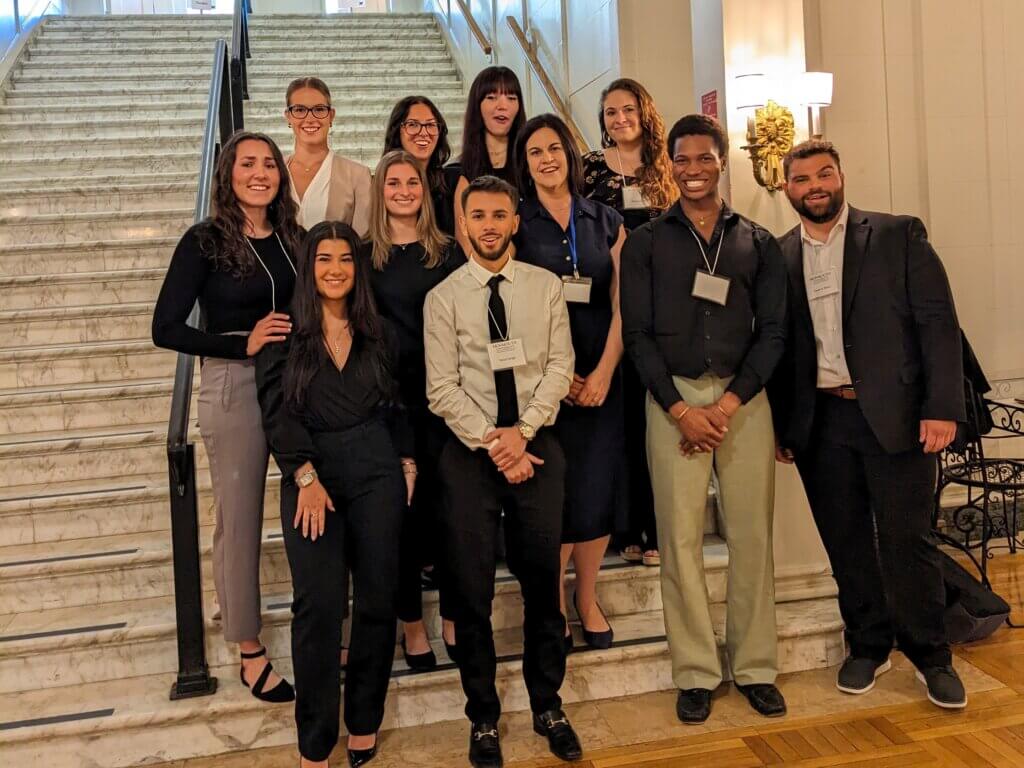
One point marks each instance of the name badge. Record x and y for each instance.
(714, 288)
(506, 354)
(633, 198)
(822, 284)
(576, 289)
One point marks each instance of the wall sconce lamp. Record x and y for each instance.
(770, 128)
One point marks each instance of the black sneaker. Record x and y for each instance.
(484, 747)
(858, 674)
(693, 705)
(561, 737)
(944, 687)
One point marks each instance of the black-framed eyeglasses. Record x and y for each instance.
(299, 111)
(414, 127)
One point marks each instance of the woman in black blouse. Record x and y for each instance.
(494, 117)
(417, 126)
(632, 174)
(238, 266)
(330, 414)
(410, 255)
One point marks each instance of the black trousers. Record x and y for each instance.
(420, 541)
(641, 528)
(873, 510)
(360, 470)
(475, 494)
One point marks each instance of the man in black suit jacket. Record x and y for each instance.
(869, 389)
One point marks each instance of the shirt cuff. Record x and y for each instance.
(666, 394)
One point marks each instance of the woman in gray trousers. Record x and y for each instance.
(239, 266)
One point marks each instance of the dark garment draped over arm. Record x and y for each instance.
(399, 421)
(289, 440)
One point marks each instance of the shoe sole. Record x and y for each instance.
(860, 691)
(936, 702)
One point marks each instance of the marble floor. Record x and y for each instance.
(892, 726)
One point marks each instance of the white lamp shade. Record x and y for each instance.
(816, 89)
(748, 91)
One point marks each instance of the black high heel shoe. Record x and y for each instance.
(419, 662)
(357, 757)
(597, 640)
(279, 694)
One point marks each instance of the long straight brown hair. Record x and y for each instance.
(434, 241)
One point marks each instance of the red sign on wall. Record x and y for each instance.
(709, 104)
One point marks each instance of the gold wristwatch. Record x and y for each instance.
(306, 479)
(526, 431)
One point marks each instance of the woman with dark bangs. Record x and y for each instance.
(418, 127)
(331, 414)
(494, 117)
(238, 265)
(633, 175)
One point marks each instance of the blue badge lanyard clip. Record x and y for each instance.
(572, 241)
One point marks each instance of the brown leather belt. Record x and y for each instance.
(846, 392)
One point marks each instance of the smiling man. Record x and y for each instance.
(870, 389)
(703, 308)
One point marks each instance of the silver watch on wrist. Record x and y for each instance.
(306, 479)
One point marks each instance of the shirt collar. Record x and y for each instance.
(483, 275)
(676, 212)
(531, 208)
(839, 230)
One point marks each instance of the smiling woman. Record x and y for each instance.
(325, 185)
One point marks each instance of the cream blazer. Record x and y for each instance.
(348, 196)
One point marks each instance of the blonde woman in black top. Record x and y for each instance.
(238, 265)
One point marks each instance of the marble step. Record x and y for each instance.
(70, 325)
(257, 22)
(90, 256)
(102, 164)
(109, 224)
(126, 722)
(70, 364)
(297, 34)
(118, 46)
(18, 198)
(105, 404)
(80, 288)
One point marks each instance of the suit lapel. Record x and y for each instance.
(793, 252)
(855, 249)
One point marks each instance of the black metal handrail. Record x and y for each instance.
(223, 118)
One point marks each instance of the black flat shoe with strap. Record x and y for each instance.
(279, 694)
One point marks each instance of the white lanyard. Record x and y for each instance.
(273, 287)
(721, 237)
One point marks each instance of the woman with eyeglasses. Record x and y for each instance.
(325, 185)
(335, 425)
(494, 117)
(239, 266)
(410, 256)
(418, 127)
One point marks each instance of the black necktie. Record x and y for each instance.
(504, 381)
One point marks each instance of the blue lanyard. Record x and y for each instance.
(572, 240)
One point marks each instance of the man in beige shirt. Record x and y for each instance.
(499, 361)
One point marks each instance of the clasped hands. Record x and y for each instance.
(590, 391)
(703, 428)
(507, 449)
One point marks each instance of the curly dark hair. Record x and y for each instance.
(308, 352)
(442, 152)
(222, 238)
(698, 125)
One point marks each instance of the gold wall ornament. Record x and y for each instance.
(769, 137)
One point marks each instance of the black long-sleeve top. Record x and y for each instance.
(400, 288)
(334, 401)
(227, 303)
(668, 332)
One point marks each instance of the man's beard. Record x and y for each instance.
(835, 205)
(490, 256)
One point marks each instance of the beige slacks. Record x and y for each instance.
(231, 426)
(745, 466)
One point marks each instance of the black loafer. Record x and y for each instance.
(765, 698)
(357, 757)
(484, 747)
(561, 737)
(693, 705)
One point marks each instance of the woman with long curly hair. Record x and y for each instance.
(633, 175)
(332, 414)
(238, 264)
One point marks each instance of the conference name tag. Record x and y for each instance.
(506, 354)
(633, 198)
(823, 284)
(713, 288)
(576, 289)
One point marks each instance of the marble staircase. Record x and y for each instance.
(90, 210)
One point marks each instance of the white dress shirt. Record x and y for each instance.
(313, 205)
(827, 311)
(460, 380)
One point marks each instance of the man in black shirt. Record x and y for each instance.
(703, 316)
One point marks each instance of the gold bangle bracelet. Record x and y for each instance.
(686, 410)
